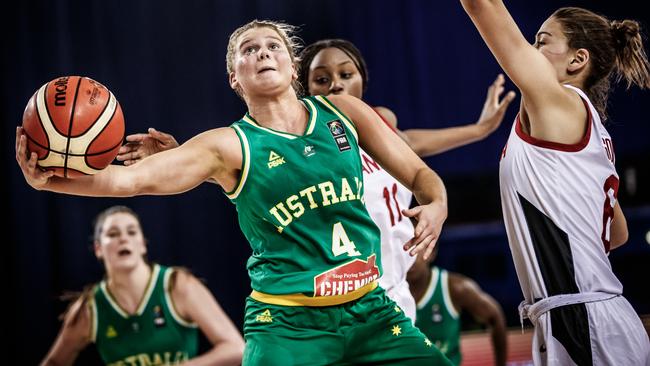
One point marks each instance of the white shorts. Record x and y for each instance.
(403, 298)
(609, 332)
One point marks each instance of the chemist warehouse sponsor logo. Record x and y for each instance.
(347, 277)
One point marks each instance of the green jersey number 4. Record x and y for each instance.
(341, 244)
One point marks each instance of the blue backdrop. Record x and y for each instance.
(165, 61)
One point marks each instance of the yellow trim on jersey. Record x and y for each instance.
(281, 134)
(170, 302)
(93, 320)
(145, 298)
(303, 300)
(246, 163)
(310, 124)
(343, 118)
(314, 114)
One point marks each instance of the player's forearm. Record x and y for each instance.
(428, 187)
(111, 182)
(224, 354)
(428, 142)
(499, 340)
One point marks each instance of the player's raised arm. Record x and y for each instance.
(525, 65)
(212, 154)
(392, 153)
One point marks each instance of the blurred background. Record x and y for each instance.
(165, 62)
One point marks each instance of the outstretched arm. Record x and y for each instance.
(393, 154)
(428, 142)
(213, 154)
(468, 296)
(73, 337)
(194, 302)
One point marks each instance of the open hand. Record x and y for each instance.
(494, 109)
(140, 145)
(427, 231)
(34, 175)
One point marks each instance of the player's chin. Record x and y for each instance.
(125, 262)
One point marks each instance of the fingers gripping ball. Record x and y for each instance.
(75, 126)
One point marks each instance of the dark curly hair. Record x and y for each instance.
(308, 54)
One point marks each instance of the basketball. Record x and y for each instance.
(75, 126)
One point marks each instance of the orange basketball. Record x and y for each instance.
(75, 125)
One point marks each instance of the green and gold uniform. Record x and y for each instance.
(316, 254)
(154, 335)
(437, 318)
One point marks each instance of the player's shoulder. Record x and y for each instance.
(387, 114)
(221, 141)
(461, 284)
(181, 281)
(216, 135)
(344, 102)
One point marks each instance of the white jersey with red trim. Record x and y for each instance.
(385, 199)
(558, 202)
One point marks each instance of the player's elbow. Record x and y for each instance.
(232, 352)
(238, 351)
(496, 319)
(619, 238)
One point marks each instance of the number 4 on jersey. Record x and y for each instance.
(341, 244)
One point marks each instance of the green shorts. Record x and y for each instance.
(370, 330)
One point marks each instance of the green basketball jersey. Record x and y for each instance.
(437, 318)
(154, 335)
(300, 205)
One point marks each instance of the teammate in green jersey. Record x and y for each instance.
(441, 296)
(143, 314)
(339, 316)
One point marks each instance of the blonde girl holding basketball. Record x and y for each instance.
(316, 252)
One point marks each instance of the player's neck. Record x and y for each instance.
(286, 114)
(128, 287)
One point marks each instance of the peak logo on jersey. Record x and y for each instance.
(339, 135)
(265, 317)
(275, 160)
(110, 332)
(158, 317)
